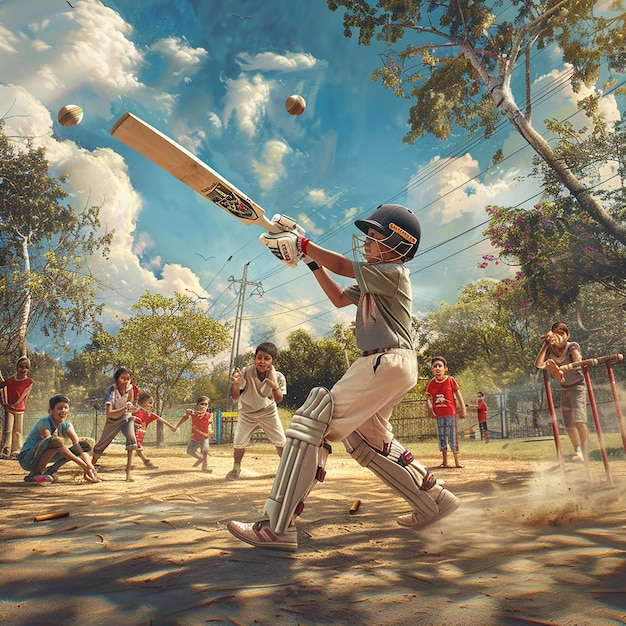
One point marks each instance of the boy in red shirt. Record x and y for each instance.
(201, 429)
(143, 418)
(443, 396)
(481, 407)
(16, 390)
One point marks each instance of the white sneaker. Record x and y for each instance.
(233, 474)
(447, 502)
(260, 535)
(44, 478)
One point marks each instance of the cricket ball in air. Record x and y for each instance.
(70, 115)
(295, 105)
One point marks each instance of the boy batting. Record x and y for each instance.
(358, 408)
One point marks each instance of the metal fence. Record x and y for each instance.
(512, 414)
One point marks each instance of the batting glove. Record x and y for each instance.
(286, 223)
(284, 246)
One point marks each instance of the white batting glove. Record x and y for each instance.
(284, 246)
(286, 223)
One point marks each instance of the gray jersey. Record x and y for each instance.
(383, 298)
(257, 399)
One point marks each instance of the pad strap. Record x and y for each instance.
(397, 468)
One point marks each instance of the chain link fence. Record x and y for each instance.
(512, 414)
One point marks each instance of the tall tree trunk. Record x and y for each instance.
(24, 317)
(500, 88)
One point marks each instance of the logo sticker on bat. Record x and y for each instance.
(233, 203)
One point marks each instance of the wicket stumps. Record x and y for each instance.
(584, 365)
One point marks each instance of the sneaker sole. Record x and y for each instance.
(270, 545)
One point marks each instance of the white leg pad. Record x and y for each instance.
(303, 460)
(400, 471)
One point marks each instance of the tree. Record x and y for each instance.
(459, 58)
(486, 331)
(308, 363)
(557, 248)
(165, 344)
(44, 246)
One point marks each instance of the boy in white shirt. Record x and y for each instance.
(259, 388)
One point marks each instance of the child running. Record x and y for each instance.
(119, 404)
(443, 396)
(45, 444)
(201, 429)
(143, 418)
(259, 389)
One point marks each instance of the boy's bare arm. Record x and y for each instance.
(235, 388)
(459, 398)
(332, 290)
(333, 261)
(271, 380)
(182, 420)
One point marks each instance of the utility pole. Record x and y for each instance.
(234, 351)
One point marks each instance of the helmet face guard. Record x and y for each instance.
(400, 229)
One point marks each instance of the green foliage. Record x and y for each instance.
(308, 363)
(456, 61)
(486, 331)
(557, 248)
(165, 344)
(44, 247)
(448, 38)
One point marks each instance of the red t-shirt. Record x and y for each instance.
(442, 395)
(15, 388)
(200, 423)
(482, 411)
(145, 416)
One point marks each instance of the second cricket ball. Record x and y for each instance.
(295, 105)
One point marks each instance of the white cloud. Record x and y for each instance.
(318, 196)
(180, 54)
(452, 188)
(178, 60)
(87, 46)
(99, 177)
(246, 99)
(269, 61)
(270, 169)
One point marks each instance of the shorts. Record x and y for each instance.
(194, 448)
(447, 433)
(140, 433)
(270, 425)
(574, 405)
(28, 459)
(483, 427)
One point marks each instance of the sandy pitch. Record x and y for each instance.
(529, 545)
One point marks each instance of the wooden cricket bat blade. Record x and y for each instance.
(189, 169)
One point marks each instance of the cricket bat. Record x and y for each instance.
(189, 169)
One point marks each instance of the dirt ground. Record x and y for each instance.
(530, 544)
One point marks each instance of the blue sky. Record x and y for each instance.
(215, 75)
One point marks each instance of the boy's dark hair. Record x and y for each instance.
(143, 396)
(439, 358)
(56, 399)
(268, 347)
(202, 398)
(560, 326)
(480, 393)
